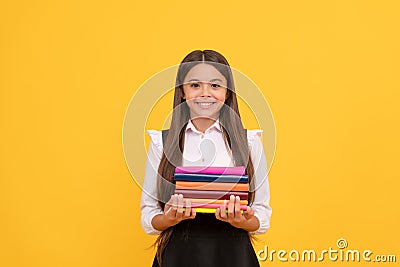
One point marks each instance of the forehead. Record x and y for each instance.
(204, 72)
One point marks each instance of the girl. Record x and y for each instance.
(206, 130)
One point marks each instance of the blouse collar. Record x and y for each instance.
(191, 126)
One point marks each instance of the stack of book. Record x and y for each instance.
(208, 187)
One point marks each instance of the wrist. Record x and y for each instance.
(251, 224)
(168, 222)
(161, 222)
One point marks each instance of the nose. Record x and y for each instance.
(206, 89)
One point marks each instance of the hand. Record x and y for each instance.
(173, 210)
(234, 216)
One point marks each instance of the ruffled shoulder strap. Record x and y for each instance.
(156, 138)
(252, 134)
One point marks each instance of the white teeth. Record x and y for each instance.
(205, 104)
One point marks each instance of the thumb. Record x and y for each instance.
(248, 213)
(168, 205)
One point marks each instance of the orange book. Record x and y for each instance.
(244, 187)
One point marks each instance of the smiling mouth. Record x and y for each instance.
(204, 104)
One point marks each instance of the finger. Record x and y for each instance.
(222, 210)
(174, 205)
(180, 203)
(167, 210)
(188, 208)
(193, 213)
(167, 207)
(175, 201)
(179, 211)
(217, 214)
(237, 208)
(249, 213)
(231, 206)
(168, 204)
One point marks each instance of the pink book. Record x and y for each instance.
(211, 206)
(238, 170)
(213, 194)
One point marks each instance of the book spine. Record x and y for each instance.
(211, 178)
(211, 206)
(238, 170)
(211, 194)
(207, 210)
(212, 186)
(211, 201)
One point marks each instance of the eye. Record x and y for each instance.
(215, 85)
(195, 85)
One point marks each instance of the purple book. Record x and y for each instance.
(239, 170)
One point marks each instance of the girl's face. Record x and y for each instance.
(205, 91)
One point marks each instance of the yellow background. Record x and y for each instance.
(68, 69)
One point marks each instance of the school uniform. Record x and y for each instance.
(205, 240)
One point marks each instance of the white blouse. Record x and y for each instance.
(201, 150)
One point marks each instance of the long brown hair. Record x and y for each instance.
(232, 129)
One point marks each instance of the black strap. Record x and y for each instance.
(165, 134)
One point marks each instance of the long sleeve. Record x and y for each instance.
(149, 204)
(261, 207)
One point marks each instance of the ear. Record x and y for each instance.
(181, 92)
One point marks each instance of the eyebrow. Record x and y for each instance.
(212, 80)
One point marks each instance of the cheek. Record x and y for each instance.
(189, 94)
(221, 96)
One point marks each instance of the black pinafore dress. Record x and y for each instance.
(207, 241)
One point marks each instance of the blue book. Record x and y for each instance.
(194, 177)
